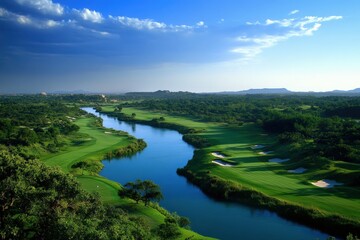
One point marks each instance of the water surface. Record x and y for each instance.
(165, 152)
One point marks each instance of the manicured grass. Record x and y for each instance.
(254, 171)
(94, 143)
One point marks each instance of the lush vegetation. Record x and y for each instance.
(39, 202)
(50, 154)
(312, 124)
(310, 131)
(146, 191)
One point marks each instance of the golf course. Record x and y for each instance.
(247, 149)
(93, 145)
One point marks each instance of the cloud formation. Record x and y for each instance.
(276, 31)
(125, 40)
(44, 6)
(88, 15)
(294, 12)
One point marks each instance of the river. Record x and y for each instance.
(165, 152)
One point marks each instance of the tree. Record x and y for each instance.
(146, 191)
(132, 190)
(133, 115)
(40, 202)
(169, 229)
(152, 192)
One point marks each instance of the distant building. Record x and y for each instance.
(43, 94)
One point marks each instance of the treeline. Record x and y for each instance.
(39, 202)
(26, 123)
(129, 150)
(333, 138)
(304, 120)
(221, 189)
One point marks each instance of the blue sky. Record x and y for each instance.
(178, 45)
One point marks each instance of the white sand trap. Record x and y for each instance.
(257, 147)
(326, 183)
(222, 163)
(218, 155)
(279, 160)
(265, 153)
(108, 132)
(298, 170)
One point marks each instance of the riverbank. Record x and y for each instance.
(254, 172)
(93, 144)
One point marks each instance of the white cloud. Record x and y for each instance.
(282, 23)
(149, 24)
(200, 24)
(3, 12)
(52, 23)
(294, 12)
(253, 23)
(23, 19)
(44, 6)
(137, 23)
(252, 46)
(88, 15)
(28, 20)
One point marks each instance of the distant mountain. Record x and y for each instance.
(282, 91)
(260, 91)
(356, 90)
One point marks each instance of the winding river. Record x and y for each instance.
(165, 152)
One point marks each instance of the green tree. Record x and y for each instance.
(169, 229)
(146, 191)
(151, 192)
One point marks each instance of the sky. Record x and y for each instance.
(115, 46)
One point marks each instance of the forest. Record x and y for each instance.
(325, 126)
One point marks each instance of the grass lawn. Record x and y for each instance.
(94, 144)
(253, 169)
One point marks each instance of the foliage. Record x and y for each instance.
(295, 119)
(169, 229)
(39, 202)
(130, 149)
(146, 191)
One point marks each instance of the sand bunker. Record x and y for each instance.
(279, 160)
(265, 153)
(108, 132)
(222, 163)
(218, 155)
(257, 147)
(298, 170)
(326, 183)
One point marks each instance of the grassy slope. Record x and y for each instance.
(95, 144)
(254, 170)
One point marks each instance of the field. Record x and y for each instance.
(253, 170)
(93, 144)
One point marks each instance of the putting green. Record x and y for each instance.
(253, 169)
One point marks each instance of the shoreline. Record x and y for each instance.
(134, 146)
(313, 218)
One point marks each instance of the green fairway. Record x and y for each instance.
(95, 143)
(253, 169)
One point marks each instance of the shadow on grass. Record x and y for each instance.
(338, 191)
